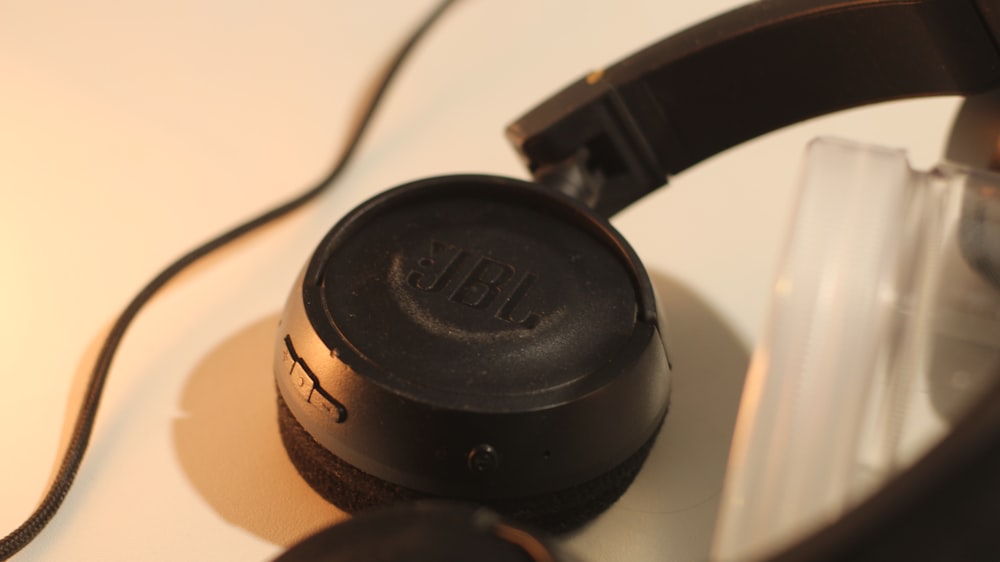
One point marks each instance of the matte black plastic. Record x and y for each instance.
(426, 532)
(619, 133)
(475, 337)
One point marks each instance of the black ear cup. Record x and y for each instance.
(427, 532)
(477, 338)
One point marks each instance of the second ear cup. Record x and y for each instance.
(427, 532)
(477, 338)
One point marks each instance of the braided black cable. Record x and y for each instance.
(73, 456)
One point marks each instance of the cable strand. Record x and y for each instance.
(75, 450)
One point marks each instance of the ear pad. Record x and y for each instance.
(477, 338)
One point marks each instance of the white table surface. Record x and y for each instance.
(130, 131)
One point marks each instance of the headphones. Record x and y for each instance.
(483, 339)
(496, 342)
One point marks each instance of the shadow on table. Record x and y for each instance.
(229, 447)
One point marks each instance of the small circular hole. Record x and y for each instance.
(547, 454)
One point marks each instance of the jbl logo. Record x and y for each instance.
(481, 280)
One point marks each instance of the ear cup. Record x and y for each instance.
(474, 338)
(427, 532)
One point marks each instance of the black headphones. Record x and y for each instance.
(492, 342)
(489, 340)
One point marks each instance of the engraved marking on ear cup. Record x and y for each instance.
(433, 281)
(480, 286)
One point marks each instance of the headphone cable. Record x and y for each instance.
(83, 428)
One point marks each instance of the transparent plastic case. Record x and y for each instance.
(884, 324)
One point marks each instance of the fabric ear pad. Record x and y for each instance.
(472, 338)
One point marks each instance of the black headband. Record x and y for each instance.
(617, 134)
(620, 133)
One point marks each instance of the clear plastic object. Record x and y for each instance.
(880, 332)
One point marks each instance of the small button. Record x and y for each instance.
(329, 405)
(302, 381)
(483, 458)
